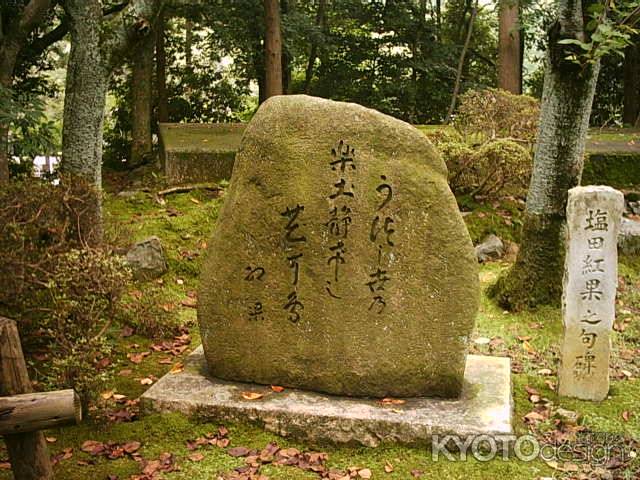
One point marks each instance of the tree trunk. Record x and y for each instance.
(536, 277)
(141, 86)
(463, 55)
(313, 51)
(509, 72)
(85, 98)
(8, 56)
(273, 49)
(632, 83)
(28, 452)
(161, 72)
(188, 43)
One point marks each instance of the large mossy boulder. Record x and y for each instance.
(340, 262)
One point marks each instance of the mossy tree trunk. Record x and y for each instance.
(536, 277)
(97, 45)
(141, 87)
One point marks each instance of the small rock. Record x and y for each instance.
(629, 237)
(490, 249)
(568, 417)
(147, 260)
(127, 194)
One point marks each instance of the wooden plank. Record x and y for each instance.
(38, 411)
(28, 452)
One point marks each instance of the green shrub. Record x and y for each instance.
(488, 114)
(498, 168)
(63, 294)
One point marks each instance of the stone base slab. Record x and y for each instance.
(485, 407)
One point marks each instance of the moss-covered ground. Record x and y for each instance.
(185, 223)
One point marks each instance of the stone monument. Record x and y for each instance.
(340, 262)
(590, 281)
(340, 272)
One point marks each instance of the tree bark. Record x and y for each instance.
(28, 452)
(141, 109)
(273, 49)
(85, 99)
(188, 43)
(97, 45)
(6, 76)
(463, 55)
(632, 83)
(536, 277)
(161, 72)
(313, 51)
(509, 71)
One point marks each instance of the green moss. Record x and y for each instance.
(503, 220)
(204, 137)
(619, 170)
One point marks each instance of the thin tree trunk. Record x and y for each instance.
(632, 83)
(4, 149)
(463, 55)
(536, 277)
(313, 51)
(273, 49)
(161, 72)
(141, 86)
(509, 71)
(8, 56)
(188, 43)
(415, 51)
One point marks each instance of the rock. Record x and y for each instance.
(340, 262)
(589, 291)
(147, 260)
(490, 249)
(568, 417)
(629, 237)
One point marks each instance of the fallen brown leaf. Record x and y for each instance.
(252, 395)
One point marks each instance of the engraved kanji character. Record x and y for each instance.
(340, 190)
(337, 258)
(254, 273)
(292, 306)
(583, 365)
(339, 224)
(379, 302)
(592, 265)
(379, 278)
(255, 312)
(591, 291)
(595, 243)
(588, 338)
(292, 215)
(597, 221)
(295, 266)
(344, 156)
(385, 188)
(386, 228)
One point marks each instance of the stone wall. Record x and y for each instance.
(194, 153)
